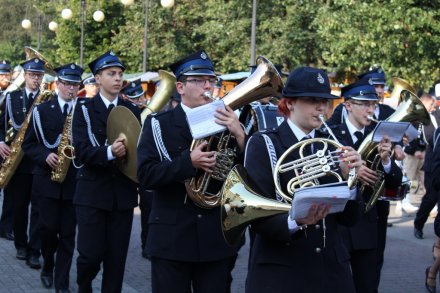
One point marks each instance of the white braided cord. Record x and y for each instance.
(37, 122)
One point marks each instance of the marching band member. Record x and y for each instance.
(5, 75)
(362, 238)
(185, 242)
(6, 220)
(57, 220)
(307, 255)
(90, 87)
(19, 188)
(104, 197)
(134, 92)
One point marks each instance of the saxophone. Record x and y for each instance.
(11, 162)
(65, 152)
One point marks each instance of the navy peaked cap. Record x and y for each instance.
(108, 59)
(197, 63)
(308, 82)
(69, 72)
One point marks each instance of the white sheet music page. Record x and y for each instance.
(394, 130)
(201, 120)
(336, 194)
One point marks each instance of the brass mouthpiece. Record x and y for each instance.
(208, 95)
(372, 119)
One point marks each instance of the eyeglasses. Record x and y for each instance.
(69, 84)
(35, 75)
(202, 82)
(365, 105)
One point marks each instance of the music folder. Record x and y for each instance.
(394, 130)
(201, 120)
(336, 194)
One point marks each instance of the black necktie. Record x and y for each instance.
(110, 107)
(31, 97)
(360, 138)
(65, 110)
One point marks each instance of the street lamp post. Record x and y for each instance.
(253, 32)
(144, 63)
(165, 4)
(83, 16)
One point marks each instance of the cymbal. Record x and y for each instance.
(121, 122)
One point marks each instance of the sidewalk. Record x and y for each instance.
(405, 261)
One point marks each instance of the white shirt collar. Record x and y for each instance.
(107, 102)
(352, 129)
(298, 132)
(185, 108)
(61, 102)
(28, 92)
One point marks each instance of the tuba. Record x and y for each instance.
(65, 152)
(410, 109)
(205, 189)
(162, 94)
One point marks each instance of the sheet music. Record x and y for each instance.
(201, 120)
(336, 194)
(412, 133)
(394, 130)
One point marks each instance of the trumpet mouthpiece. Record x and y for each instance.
(372, 119)
(208, 95)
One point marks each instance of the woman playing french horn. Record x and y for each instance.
(306, 255)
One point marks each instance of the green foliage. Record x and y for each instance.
(346, 36)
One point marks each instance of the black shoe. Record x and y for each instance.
(21, 253)
(46, 280)
(8, 235)
(62, 291)
(33, 262)
(431, 289)
(418, 233)
(389, 224)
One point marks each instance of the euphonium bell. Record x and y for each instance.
(241, 205)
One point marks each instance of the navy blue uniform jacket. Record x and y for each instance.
(100, 183)
(311, 266)
(178, 229)
(363, 235)
(52, 124)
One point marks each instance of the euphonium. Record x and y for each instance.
(11, 162)
(410, 110)
(204, 189)
(65, 152)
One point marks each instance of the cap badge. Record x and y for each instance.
(380, 70)
(4, 62)
(72, 66)
(36, 60)
(361, 93)
(370, 81)
(320, 78)
(203, 55)
(133, 84)
(112, 53)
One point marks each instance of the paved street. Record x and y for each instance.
(405, 261)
